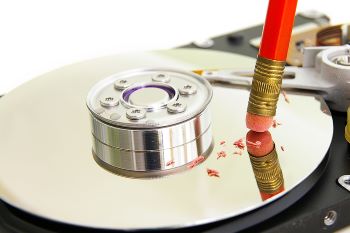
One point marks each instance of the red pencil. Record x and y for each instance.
(269, 67)
(277, 29)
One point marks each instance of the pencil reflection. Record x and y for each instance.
(265, 164)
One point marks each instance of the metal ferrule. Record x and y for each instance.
(267, 171)
(266, 87)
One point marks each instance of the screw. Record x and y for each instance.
(188, 90)
(344, 181)
(330, 218)
(347, 181)
(135, 113)
(121, 84)
(204, 44)
(164, 78)
(342, 60)
(176, 107)
(109, 101)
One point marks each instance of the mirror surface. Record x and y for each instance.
(47, 169)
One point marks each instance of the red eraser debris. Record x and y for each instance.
(258, 123)
(259, 143)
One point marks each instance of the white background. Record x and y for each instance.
(37, 36)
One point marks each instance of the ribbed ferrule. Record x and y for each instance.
(267, 171)
(266, 87)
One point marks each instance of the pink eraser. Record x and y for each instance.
(259, 143)
(258, 123)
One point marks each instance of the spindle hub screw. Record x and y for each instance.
(176, 107)
(135, 113)
(109, 101)
(188, 90)
(121, 84)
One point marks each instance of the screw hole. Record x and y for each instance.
(109, 98)
(188, 87)
(177, 104)
(136, 111)
(330, 218)
(161, 75)
(122, 81)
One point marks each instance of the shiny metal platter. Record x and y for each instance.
(47, 167)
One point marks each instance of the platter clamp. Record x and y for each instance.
(145, 120)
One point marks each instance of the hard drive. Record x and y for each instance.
(129, 142)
